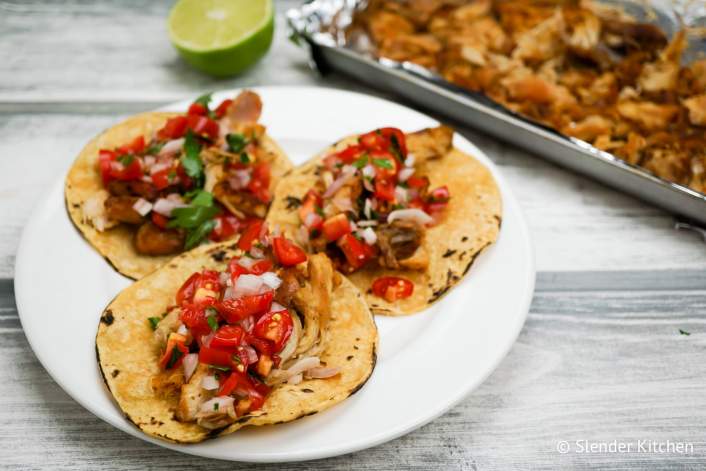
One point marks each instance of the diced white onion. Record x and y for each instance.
(401, 195)
(160, 167)
(303, 235)
(223, 278)
(182, 330)
(367, 223)
(264, 238)
(367, 208)
(369, 171)
(302, 365)
(250, 354)
(369, 236)
(171, 147)
(247, 285)
(165, 206)
(190, 363)
(405, 173)
(276, 307)
(346, 173)
(296, 379)
(271, 279)
(246, 262)
(206, 339)
(411, 214)
(247, 324)
(257, 252)
(322, 372)
(149, 160)
(409, 161)
(209, 383)
(142, 206)
(312, 219)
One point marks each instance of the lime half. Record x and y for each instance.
(222, 37)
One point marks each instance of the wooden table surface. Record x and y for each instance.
(601, 357)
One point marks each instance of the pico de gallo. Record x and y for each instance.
(198, 177)
(371, 205)
(232, 335)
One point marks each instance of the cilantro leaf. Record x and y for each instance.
(383, 163)
(191, 160)
(154, 321)
(244, 159)
(191, 217)
(204, 100)
(126, 159)
(220, 368)
(361, 162)
(176, 354)
(236, 142)
(197, 235)
(202, 198)
(154, 148)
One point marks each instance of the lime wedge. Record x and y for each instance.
(221, 37)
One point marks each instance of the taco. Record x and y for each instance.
(158, 184)
(222, 338)
(403, 216)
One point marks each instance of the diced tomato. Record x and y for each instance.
(227, 226)
(105, 157)
(229, 384)
(256, 391)
(236, 270)
(417, 182)
(161, 179)
(228, 337)
(194, 317)
(261, 345)
(439, 195)
(250, 234)
(208, 288)
(373, 140)
(336, 227)
(275, 327)
(172, 359)
(186, 293)
(350, 154)
(287, 253)
(136, 146)
(203, 126)
(221, 110)
(174, 128)
(212, 356)
(234, 310)
(357, 252)
(260, 267)
(397, 135)
(197, 109)
(259, 184)
(133, 171)
(385, 189)
(159, 220)
(392, 288)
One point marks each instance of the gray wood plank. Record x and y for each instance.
(599, 366)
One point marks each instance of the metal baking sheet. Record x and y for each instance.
(319, 23)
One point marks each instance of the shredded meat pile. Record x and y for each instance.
(584, 69)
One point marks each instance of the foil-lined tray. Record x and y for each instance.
(321, 25)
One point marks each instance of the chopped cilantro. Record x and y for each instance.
(225, 369)
(383, 163)
(244, 158)
(154, 148)
(204, 100)
(191, 160)
(176, 354)
(126, 159)
(361, 162)
(212, 322)
(192, 217)
(202, 198)
(684, 332)
(154, 321)
(396, 148)
(236, 142)
(215, 406)
(197, 235)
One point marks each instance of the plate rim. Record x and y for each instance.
(463, 392)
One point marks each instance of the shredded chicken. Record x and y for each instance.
(193, 395)
(586, 69)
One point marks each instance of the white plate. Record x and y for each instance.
(426, 363)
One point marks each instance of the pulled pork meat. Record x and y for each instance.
(588, 70)
(397, 242)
